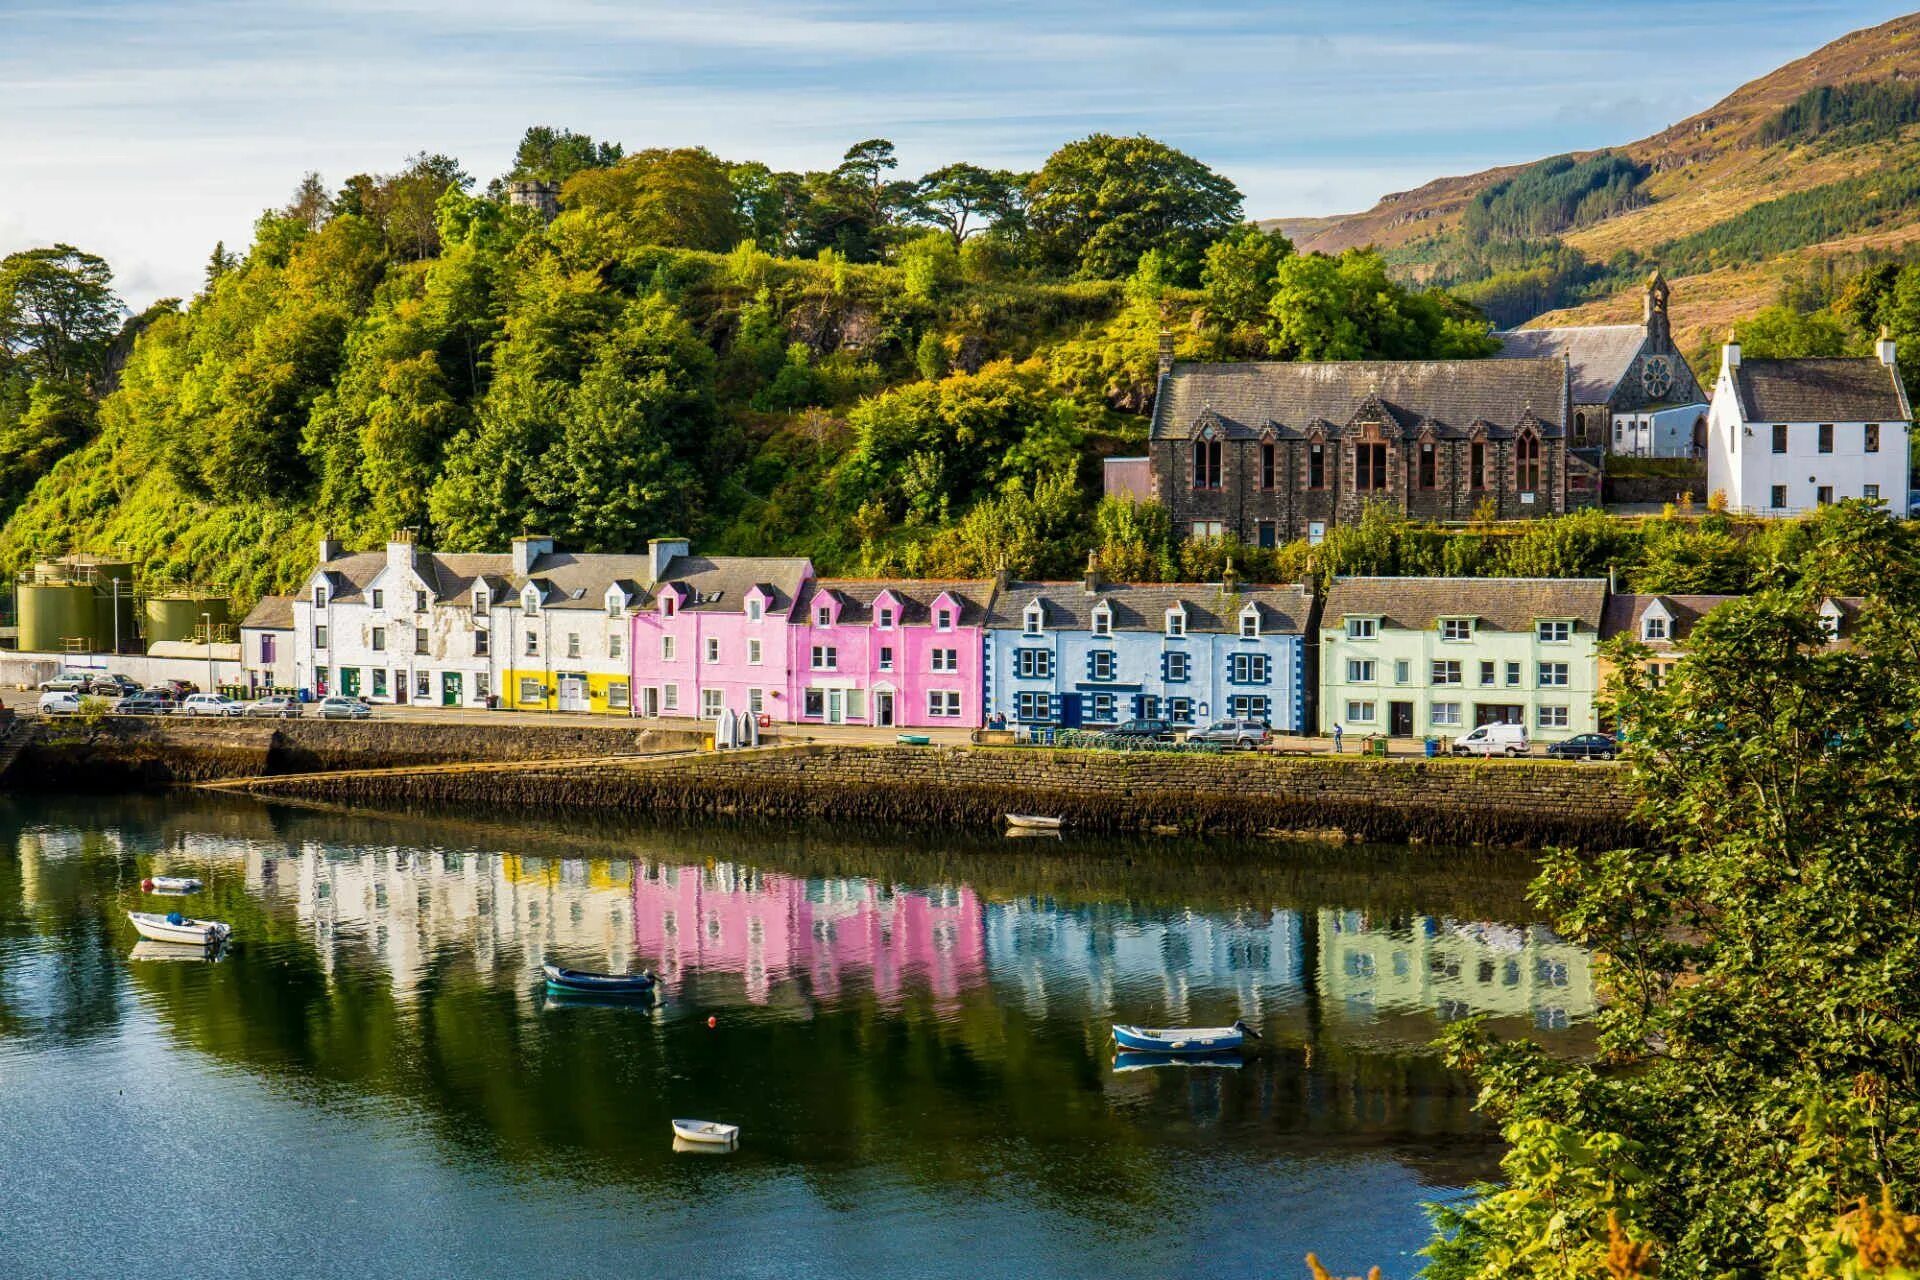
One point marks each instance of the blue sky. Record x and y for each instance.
(146, 131)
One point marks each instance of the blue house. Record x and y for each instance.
(1094, 653)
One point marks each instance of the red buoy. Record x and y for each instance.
(712, 1021)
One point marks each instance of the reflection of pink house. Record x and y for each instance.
(837, 934)
(712, 634)
(886, 653)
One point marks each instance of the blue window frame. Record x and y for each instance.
(1146, 706)
(1033, 706)
(1034, 664)
(1180, 710)
(1100, 664)
(1249, 706)
(1249, 668)
(1103, 707)
(1176, 667)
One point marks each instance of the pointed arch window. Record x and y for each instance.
(1207, 460)
(1526, 462)
(1369, 467)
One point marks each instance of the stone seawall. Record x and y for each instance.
(1443, 801)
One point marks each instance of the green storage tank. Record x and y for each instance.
(53, 613)
(178, 617)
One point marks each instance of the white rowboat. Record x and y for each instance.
(706, 1132)
(1031, 822)
(177, 928)
(171, 884)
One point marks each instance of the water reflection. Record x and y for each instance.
(894, 1020)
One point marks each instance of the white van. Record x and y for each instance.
(1493, 740)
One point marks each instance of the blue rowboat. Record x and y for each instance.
(580, 982)
(1183, 1040)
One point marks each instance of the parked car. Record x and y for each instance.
(1586, 746)
(338, 708)
(175, 689)
(1494, 740)
(278, 706)
(59, 702)
(211, 704)
(1144, 731)
(67, 682)
(1233, 733)
(144, 703)
(112, 686)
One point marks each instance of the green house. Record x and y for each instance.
(1420, 657)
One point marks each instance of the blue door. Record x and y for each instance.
(1069, 711)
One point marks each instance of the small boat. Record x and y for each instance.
(1183, 1040)
(1032, 822)
(913, 739)
(172, 884)
(174, 927)
(581, 982)
(706, 1133)
(1230, 1060)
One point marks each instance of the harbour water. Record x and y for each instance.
(912, 1032)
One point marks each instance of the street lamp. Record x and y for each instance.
(208, 619)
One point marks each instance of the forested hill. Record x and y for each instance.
(885, 373)
(1791, 184)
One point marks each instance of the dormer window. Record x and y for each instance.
(1456, 628)
(1554, 631)
(1176, 622)
(823, 616)
(319, 597)
(1830, 620)
(1034, 620)
(886, 618)
(943, 619)
(530, 600)
(669, 605)
(615, 603)
(1361, 629)
(1653, 627)
(482, 603)
(756, 609)
(1249, 623)
(1103, 621)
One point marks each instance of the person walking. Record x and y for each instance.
(1336, 739)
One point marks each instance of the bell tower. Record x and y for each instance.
(1659, 334)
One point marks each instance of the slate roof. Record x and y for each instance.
(916, 598)
(571, 581)
(1506, 604)
(568, 580)
(1857, 389)
(1624, 612)
(719, 584)
(1244, 400)
(1598, 355)
(348, 575)
(1068, 606)
(273, 613)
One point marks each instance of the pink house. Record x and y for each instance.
(712, 634)
(889, 653)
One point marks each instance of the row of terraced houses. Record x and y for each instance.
(671, 634)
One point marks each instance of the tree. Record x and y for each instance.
(1239, 275)
(546, 154)
(1099, 203)
(58, 312)
(219, 263)
(963, 199)
(1348, 308)
(310, 205)
(683, 197)
(1779, 333)
(864, 170)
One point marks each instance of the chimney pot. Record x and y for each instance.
(1166, 352)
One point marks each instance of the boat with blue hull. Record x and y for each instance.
(580, 982)
(1183, 1041)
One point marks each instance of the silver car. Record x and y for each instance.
(338, 708)
(278, 706)
(1232, 733)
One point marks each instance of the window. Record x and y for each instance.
(1176, 622)
(756, 609)
(319, 637)
(1100, 665)
(1248, 668)
(670, 697)
(712, 701)
(1779, 437)
(419, 602)
(886, 657)
(615, 645)
(1526, 462)
(1033, 706)
(1477, 465)
(1360, 712)
(1034, 664)
(756, 700)
(619, 695)
(669, 605)
(481, 603)
(1456, 629)
(1554, 631)
(613, 606)
(1250, 625)
(268, 648)
(1870, 438)
(1826, 437)
(1823, 496)
(826, 658)
(1034, 620)
(1369, 467)
(1870, 491)
(1446, 671)
(1446, 715)
(379, 598)
(753, 652)
(1176, 667)
(1513, 675)
(943, 704)
(823, 616)
(1102, 622)
(1206, 464)
(1553, 717)
(379, 639)
(666, 649)
(379, 682)
(1360, 628)
(481, 689)
(1103, 707)
(1402, 671)
(1777, 498)
(423, 684)
(1265, 534)
(886, 619)
(1487, 673)
(943, 620)
(1316, 466)
(573, 644)
(1653, 627)
(1553, 675)
(1267, 452)
(420, 638)
(943, 660)
(713, 649)
(1205, 529)
(531, 690)
(1360, 670)
(481, 644)
(1180, 710)
(1248, 706)
(1429, 467)
(319, 597)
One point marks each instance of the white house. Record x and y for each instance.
(1785, 436)
(266, 644)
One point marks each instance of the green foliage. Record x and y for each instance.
(1237, 281)
(1555, 195)
(929, 267)
(680, 196)
(1100, 203)
(58, 313)
(1347, 308)
(1862, 110)
(1781, 332)
(1821, 213)
(546, 154)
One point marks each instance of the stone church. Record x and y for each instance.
(1273, 451)
(1632, 391)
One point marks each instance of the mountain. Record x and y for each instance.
(1812, 167)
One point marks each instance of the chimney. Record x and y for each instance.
(1229, 580)
(1884, 347)
(526, 550)
(660, 553)
(400, 550)
(1166, 352)
(1094, 582)
(1730, 354)
(330, 549)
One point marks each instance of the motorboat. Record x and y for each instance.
(1183, 1040)
(174, 927)
(706, 1133)
(172, 884)
(581, 982)
(1033, 822)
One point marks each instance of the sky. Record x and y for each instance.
(147, 131)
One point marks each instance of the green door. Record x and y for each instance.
(350, 681)
(450, 689)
